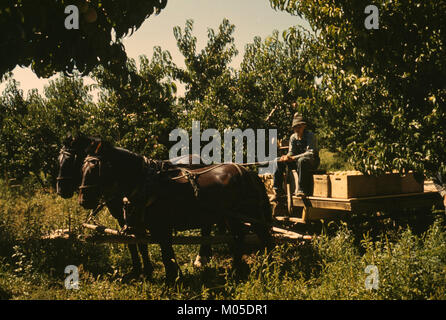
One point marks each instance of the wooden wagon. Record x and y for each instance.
(340, 200)
(300, 209)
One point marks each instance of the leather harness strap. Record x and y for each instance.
(187, 172)
(192, 175)
(160, 166)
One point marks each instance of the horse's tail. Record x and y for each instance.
(260, 208)
(265, 210)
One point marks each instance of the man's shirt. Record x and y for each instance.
(308, 144)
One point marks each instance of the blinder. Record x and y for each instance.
(68, 153)
(96, 161)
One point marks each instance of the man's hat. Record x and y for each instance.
(297, 120)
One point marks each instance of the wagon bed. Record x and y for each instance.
(315, 208)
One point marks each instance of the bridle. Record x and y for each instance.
(102, 202)
(68, 153)
(90, 159)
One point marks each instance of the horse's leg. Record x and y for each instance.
(259, 208)
(116, 210)
(136, 262)
(205, 249)
(168, 255)
(131, 217)
(147, 264)
(264, 233)
(263, 228)
(236, 229)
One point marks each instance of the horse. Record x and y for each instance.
(178, 199)
(71, 158)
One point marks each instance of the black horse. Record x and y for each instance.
(176, 199)
(71, 158)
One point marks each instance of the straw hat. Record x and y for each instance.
(297, 120)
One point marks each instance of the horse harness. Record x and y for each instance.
(152, 168)
(190, 175)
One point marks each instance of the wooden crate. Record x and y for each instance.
(352, 186)
(389, 183)
(410, 185)
(394, 183)
(355, 186)
(321, 186)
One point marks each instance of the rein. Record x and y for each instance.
(187, 173)
(192, 175)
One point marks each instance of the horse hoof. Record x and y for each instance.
(241, 270)
(173, 277)
(172, 281)
(200, 261)
(148, 272)
(132, 275)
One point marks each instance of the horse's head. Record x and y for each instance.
(91, 185)
(66, 183)
(71, 157)
(95, 176)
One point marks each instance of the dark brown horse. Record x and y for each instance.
(169, 200)
(71, 158)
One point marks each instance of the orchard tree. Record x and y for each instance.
(138, 115)
(32, 128)
(383, 89)
(33, 33)
(275, 81)
(209, 81)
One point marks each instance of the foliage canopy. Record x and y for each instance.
(33, 34)
(383, 90)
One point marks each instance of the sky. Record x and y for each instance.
(250, 17)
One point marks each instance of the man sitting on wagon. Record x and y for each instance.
(302, 144)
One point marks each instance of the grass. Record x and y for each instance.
(410, 256)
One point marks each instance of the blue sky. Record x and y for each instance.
(251, 18)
